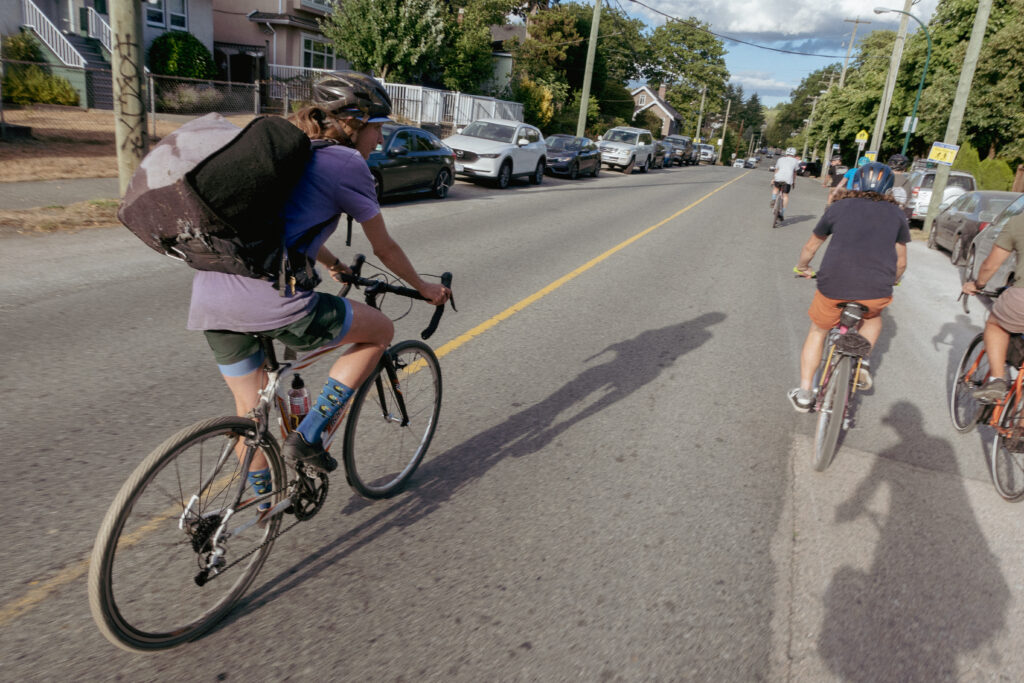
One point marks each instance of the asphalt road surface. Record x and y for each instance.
(618, 489)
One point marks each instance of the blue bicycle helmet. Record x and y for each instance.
(874, 177)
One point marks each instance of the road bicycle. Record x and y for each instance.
(838, 379)
(187, 534)
(777, 208)
(1005, 417)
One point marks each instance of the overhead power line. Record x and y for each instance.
(733, 40)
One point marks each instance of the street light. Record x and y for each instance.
(927, 57)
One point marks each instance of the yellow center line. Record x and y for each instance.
(38, 593)
(537, 296)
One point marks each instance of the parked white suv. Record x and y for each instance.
(707, 153)
(499, 149)
(627, 148)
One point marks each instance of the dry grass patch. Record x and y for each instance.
(95, 213)
(68, 142)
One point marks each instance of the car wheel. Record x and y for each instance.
(932, 234)
(628, 168)
(956, 254)
(647, 165)
(504, 175)
(538, 173)
(378, 188)
(574, 171)
(442, 183)
(597, 169)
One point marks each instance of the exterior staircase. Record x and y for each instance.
(100, 84)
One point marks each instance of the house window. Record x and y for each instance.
(322, 5)
(317, 54)
(642, 100)
(155, 13)
(171, 14)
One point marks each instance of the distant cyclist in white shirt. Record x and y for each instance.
(784, 178)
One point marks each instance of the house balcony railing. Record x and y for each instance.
(100, 30)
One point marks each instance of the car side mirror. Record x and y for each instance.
(523, 142)
(600, 137)
(398, 151)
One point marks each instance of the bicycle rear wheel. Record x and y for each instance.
(835, 395)
(777, 210)
(964, 410)
(158, 534)
(380, 452)
(1007, 456)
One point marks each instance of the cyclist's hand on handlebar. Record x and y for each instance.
(970, 287)
(804, 272)
(337, 269)
(435, 293)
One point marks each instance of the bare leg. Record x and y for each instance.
(810, 357)
(246, 392)
(785, 201)
(871, 329)
(997, 342)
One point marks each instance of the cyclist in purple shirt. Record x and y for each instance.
(348, 111)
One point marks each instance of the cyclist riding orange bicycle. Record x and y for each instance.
(1007, 314)
(866, 257)
(348, 111)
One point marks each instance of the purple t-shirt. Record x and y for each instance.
(337, 180)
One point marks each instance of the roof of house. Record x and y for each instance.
(655, 101)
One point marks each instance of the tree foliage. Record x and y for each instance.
(395, 39)
(688, 59)
(177, 53)
(32, 83)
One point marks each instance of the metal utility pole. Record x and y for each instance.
(956, 115)
(700, 116)
(581, 123)
(890, 81)
(129, 100)
(856, 24)
(725, 127)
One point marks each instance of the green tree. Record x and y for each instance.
(181, 54)
(395, 39)
(32, 83)
(994, 174)
(967, 160)
(686, 58)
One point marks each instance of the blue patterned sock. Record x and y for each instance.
(331, 400)
(260, 482)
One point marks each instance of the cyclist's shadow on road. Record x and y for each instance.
(627, 366)
(934, 590)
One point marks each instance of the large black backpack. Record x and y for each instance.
(211, 194)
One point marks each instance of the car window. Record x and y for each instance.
(402, 138)
(964, 181)
(645, 139)
(490, 131)
(992, 209)
(422, 143)
(621, 136)
(1009, 212)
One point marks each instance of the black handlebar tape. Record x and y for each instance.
(446, 280)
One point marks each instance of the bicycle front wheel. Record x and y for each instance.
(382, 449)
(835, 395)
(160, 533)
(964, 409)
(1007, 456)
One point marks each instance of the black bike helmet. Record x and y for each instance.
(874, 177)
(350, 93)
(898, 162)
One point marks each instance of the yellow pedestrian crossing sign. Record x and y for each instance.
(862, 136)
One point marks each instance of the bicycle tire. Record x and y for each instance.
(964, 410)
(142, 589)
(380, 455)
(1007, 454)
(777, 210)
(831, 414)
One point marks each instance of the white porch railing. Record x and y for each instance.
(49, 34)
(100, 30)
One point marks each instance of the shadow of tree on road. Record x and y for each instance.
(627, 366)
(934, 591)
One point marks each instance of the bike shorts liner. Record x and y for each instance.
(825, 312)
(239, 353)
(1008, 310)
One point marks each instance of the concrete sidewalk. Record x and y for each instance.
(36, 193)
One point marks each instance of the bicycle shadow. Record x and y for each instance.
(934, 591)
(795, 220)
(633, 363)
(959, 333)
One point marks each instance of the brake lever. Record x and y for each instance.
(446, 280)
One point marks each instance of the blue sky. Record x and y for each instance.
(808, 26)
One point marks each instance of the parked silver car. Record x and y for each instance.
(626, 148)
(963, 218)
(982, 245)
(916, 191)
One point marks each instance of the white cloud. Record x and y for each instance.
(820, 27)
(763, 83)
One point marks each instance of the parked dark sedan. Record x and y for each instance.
(809, 168)
(982, 244)
(958, 223)
(571, 156)
(411, 160)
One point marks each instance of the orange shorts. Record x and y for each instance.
(825, 312)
